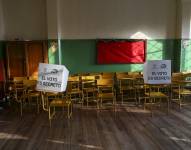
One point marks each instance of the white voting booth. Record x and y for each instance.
(157, 72)
(52, 78)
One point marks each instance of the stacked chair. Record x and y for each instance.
(106, 93)
(50, 105)
(102, 90)
(23, 92)
(126, 87)
(89, 88)
(74, 90)
(30, 94)
(17, 90)
(156, 95)
(180, 89)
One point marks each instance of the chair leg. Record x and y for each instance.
(136, 102)
(97, 104)
(101, 103)
(151, 108)
(49, 116)
(180, 105)
(21, 108)
(87, 100)
(69, 111)
(122, 98)
(38, 106)
(114, 104)
(145, 100)
(168, 106)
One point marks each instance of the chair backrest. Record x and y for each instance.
(19, 79)
(30, 84)
(18, 82)
(164, 88)
(18, 86)
(73, 82)
(88, 82)
(105, 82)
(120, 75)
(177, 76)
(94, 73)
(108, 75)
(73, 86)
(45, 102)
(74, 78)
(128, 82)
(123, 79)
(33, 78)
(187, 76)
(134, 74)
(106, 86)
(88, 78)
(139, 81)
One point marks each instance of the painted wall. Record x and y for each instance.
(80, 56)
(25, 19)
(186, 19)
(88, 19)
(80, 23)
(2, 32)
(85, 19)
(52, 19)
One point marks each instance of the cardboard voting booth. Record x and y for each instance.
(157, 72)
(52, 78)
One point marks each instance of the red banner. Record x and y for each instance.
(116, 52)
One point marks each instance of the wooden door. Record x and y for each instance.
(23, 57)
(15, 53)
(35, 54)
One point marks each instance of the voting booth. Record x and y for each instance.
(52, 78)
(157, 72)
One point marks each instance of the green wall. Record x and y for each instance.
(185, 61)
(80, 55)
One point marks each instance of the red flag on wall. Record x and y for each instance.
(113, 52)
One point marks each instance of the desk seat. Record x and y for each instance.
(156, 95)
(60, 102)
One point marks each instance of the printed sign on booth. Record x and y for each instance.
(52, 78)
(157, 72)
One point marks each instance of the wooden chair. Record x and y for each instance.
(30, 93)
(134, 74)
(18, 91)
(106, 93)
(74, 89)
(179, 92)
(177, 76)
(96, 74)
(51, 105)
(126, 88)
(108, 75)
(89, 89)
(140, 88)
(33, 77)
(156, 94)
